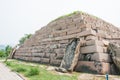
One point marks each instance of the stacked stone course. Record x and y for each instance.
(48, 44)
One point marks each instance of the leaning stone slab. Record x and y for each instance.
(69, 55)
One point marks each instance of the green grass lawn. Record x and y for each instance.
(37, 71)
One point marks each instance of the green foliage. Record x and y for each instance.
(6, 51)
(19, 69)
(33, 71)
(8, 63)
(24, 38)
(2, 53)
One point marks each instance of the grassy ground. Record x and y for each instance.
(37, 72)
(33, 71)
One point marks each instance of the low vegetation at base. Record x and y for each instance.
(37, 71)
(33, 71)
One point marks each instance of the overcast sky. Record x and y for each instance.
(19, 17)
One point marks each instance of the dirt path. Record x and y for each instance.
(7, 74)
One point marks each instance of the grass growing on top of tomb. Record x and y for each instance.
(75, 12)
(34, 71)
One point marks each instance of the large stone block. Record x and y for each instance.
(47, 55)
(63, 34)
(91, 37)
(59, 51)
(106, 43)
(118, 52)
(73, 31)
(27, 54)
(45, 60)
(63, 41)
(38, 54)
(53, 56)
(94, 42)
(93, 67)
(91, 49)
(105, 49)
(103, 57)
(29, 58)
(36, 59)
(59, 56)
(87, 33)
(55, 62)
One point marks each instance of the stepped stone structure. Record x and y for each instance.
(56, 44)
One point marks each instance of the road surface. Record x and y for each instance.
(7, 74)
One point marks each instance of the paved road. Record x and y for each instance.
(7, 74)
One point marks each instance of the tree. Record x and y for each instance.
(2, 53)
(8, 49)
(5, 52)
(24, 38)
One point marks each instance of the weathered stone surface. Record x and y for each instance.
(113, 50)
(36, 59)
(91, 37)
(55, 62)
(105, 49)
(103, 57)
(94, 67)
(117, 51)
(91, 49)
(74, 31)
(63, 41)
(38, 54)
(45, 60)
(47, 55)
(59, 56)
(106, 43)
(59, 51)
(94, 42)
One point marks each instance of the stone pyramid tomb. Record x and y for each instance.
(77, 41)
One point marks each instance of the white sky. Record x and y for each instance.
(19, 17)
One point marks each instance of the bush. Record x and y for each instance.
(2, 53)
(8, 63)
(5, 52)
(33, 71)
(19, 69)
